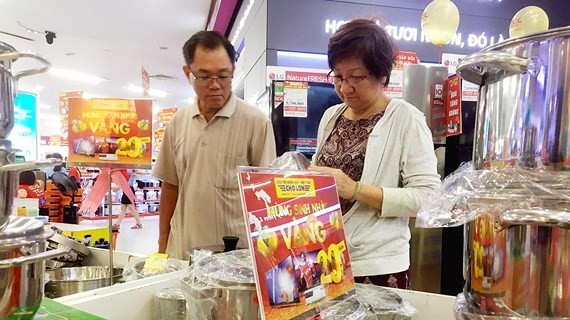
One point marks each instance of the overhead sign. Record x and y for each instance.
(107, 132)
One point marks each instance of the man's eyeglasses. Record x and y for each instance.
(351, 81)
(206, 81)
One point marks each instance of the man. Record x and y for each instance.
(203, 144)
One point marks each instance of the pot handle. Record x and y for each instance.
(34, 258)
(488, 67)
(13, 55)
(537, 217)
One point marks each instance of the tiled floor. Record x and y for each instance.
(142, 241)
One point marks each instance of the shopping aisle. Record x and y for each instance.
(143, 241)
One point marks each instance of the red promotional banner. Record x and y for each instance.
(145, 82)
(64, 108)
(297, 240)
(163, 118)
(110, 132)
(453, 106)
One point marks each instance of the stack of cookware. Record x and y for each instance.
(517, 252)
(22, 239)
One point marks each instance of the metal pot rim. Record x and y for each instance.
(557, 32)
(21, 231)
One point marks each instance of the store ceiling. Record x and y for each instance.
(107, 39)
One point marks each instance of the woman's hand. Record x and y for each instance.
(345, 185)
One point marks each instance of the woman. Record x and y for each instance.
(379, 150)
(126, 203)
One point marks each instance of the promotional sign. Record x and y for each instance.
(145, 82)
(295, 96)
(297, 241)
(303, 145)
(297, 74)
(64, 108)
(24, 135)
(469, 91)
(452, 88)
(163, 118)
(110, 132)
(53, 141)
(396, 85)
(437, 112)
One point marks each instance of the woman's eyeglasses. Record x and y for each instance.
(351, 81)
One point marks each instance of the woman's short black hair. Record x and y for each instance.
(364, 39)
(210, 40)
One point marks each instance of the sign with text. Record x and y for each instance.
(297, 74)
(297, 241)
(163, 118)
(469, 91)
(295, 95)
(24, 134)
(395, 87)
(64, 108)
(145, 82)
(452, 87)
(110, 132)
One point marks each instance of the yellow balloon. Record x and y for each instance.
(528, 20)
(440, 21)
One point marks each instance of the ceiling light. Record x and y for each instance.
(153, 92)
(74, 75)
(38, 88)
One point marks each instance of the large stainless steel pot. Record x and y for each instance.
(22, 255)
(66, 281)
(221, 286)
(523, 115)
(517, 261)
(8, 83)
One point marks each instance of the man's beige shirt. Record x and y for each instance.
(201, 159)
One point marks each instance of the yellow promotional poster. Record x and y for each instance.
(163, 118)
(64, 108)
(110, 132)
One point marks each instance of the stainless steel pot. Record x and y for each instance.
(221, 286)
(9, 81)
(523, 115)
(22, 255)
(66, 281)
(517, 262)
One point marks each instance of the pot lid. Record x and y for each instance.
(539, 36)
(21, 230)
(228, 269)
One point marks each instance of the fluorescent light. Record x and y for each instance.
(51, 124)
(153, 92)
(74, 75)
(44, 106)
(302, 55)
(50, 117)
(38, 88)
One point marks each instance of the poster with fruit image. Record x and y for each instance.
(296, 238)
(110, 132)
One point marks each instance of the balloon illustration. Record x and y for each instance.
(440, 21)
(528, 20)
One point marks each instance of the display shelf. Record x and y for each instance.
(146, 201)
(128, 215)
(152, 188)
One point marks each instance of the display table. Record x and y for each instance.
(79, 231)
(52, 310)
(134, 300)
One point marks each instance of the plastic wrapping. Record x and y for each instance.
(134, 269)
(220, 286)
(169, 304)
(370, 303)
(462, 312)
(468, 193)
(291, 160)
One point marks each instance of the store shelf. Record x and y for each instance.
(146, 201)
(146, 214)
(152, 188)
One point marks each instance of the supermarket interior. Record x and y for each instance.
(285, 159)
